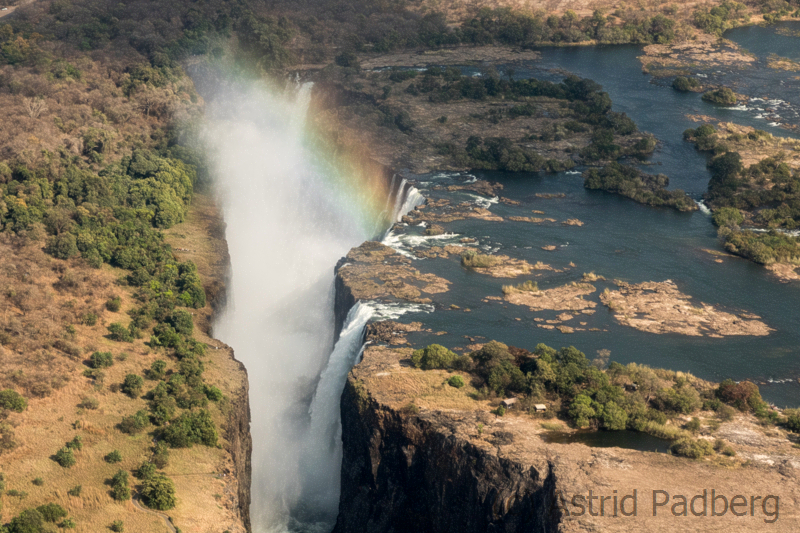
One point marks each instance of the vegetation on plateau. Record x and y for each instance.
(619, 397)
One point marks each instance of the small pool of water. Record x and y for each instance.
(610, 439)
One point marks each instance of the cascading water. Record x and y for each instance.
(291, 213)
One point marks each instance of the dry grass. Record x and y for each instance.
(34, 311)
(528, 286)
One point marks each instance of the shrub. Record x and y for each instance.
(213, 393)
(76, 443)
(191, 428)
(89, 403)
(722, 96)
(693, 425)
(117, 526)
(113, 457)
(65, 457)
(684, 400)
(684, 84)
(145, 471)
(727, 217)
(38, 481)
(135, 423)
(182, 322)
(743, 395)
(132, 385)
(114, 304)
(89, 319)
(720, 446)
(433, 356)
(456, 381)
(118, 332)
(12, 401)
(161, 455)
(68, 523)
(101, 360)
(75, 491)
(692, 448)
(28, 521)
(51, 512)
(120, 490)
(472, 259)
(793, 420)
(158, 492)
(157, 370)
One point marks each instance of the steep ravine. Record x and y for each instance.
(407, 473)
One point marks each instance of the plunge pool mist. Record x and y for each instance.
(290, 215)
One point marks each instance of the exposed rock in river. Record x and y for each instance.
(661, 308)
(565, 298)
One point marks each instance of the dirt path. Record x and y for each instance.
(163, 516)
(9, 10)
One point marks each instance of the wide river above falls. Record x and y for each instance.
(623, 240)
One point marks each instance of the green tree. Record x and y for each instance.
(120, 490)
(433, 356)
(158, 492)
(132, 385)
(11, 400)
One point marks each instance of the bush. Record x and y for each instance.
(191, 428)
(161, 455)
(727, 216)
(120, 490)
(684, 84)
(158, 492)
(213, 393)
(89, 403)
(182, 322)
(75, 491)
(145, 471)
(117, 526)
(157, 370)
(692, 448)
(118, 332)
(743, 395)
(76, 443)
(472, 259)
(101, 360)
(51, 512)
(433, 356)
(12, 401)
(114, 304)
(135, 423)
(65, 457)
(684, 400)
(28, 521)
(132, 385)
(68, 523)
(38, 481)
(456, 381)
(693, 425)
(722, 96)
(113, 457)
(793, 420)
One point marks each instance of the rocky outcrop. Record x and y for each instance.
(403, 472)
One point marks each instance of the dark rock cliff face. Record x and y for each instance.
(408, 473)
(241, 447)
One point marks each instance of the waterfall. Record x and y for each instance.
(398, 200)
(413, 199)
(291, 213)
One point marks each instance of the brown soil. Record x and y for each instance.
(661, 308)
